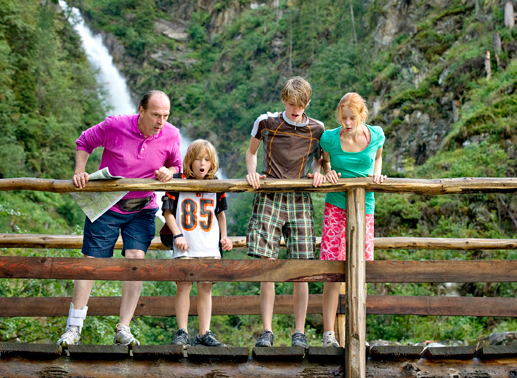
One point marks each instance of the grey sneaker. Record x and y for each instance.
(181, 337)
(265, 340)
(70, 337)
(123, 336)
(329, 339)
(298, 340)
(208, 339)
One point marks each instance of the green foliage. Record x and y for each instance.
(219, 83)
(474, 160)
(48, 91)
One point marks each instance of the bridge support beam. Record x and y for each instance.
(17, 367)
(355, 314)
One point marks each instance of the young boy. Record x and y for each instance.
(290, 139)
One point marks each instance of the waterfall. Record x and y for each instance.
(118, 97)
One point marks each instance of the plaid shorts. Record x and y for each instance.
(277, 214)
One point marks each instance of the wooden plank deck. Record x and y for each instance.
(47, 360)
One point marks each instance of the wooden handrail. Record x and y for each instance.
(254, 270)
(76, 242)
(250, 305)
(391, 185)
(357, 272)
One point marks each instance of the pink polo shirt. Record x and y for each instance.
(128, 153)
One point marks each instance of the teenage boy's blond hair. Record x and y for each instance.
(298, 90)
(193, 151)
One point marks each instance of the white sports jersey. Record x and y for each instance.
(196, 218)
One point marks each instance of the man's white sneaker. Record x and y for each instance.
(329, 339)
(70, 337)
(124, 336)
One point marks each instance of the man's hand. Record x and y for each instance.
(80, 179)
(226, 243)
(254, 179)
(317, 179)
(332, 177)
(163, 174)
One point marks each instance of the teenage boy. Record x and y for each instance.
(290, 138)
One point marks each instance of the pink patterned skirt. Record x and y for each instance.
(333, 242)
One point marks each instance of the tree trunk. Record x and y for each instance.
(488, 68)
(497, 48)
(509, 16)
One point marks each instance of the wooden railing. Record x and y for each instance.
(355, 271)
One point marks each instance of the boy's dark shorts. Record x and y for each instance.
(137, 229)
(277, 214)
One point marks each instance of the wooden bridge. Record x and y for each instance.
(355, 360)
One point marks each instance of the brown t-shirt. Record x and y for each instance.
(288, 146)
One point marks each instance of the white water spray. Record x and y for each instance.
(118, 97)
(108, 75)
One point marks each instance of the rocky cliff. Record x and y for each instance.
(421, 60)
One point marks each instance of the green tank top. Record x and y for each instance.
(352, 164)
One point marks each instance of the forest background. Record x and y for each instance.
(419, 64)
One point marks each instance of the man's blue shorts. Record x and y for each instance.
(137, 229)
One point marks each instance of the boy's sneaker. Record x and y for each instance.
(299, 340)
(265, 340)
(70, 337)
(329, 339)
(123, 336)
(181, 337)
(208, 339)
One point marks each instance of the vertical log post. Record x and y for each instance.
(355, 361)
(340, 325)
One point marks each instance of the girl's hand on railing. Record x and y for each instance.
(317, 179)
(332, 177)
(181, 243)
(378, 178)
(227, 244)
(80, 179)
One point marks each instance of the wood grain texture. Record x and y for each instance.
(250, 305)
(166, 368)
(153, 352)
(379, 352)
(340, 324)
(76, 242)
(254, 270)
(390, 185)
(355, 316)
(450, 352)
(18, 367)
(435, 306)
(443, 243)
(441, 271)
